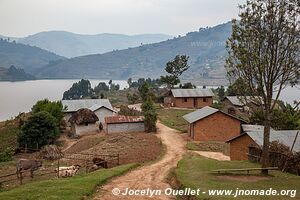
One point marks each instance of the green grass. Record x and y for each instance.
(208, 146)
(194, 171)
(73, 188)
(173, 118)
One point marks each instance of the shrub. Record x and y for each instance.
(6, 155)
(54, 108)
(40, 128)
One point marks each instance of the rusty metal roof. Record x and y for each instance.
(123, 119)
(192, 92)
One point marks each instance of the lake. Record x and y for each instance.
(16, 97)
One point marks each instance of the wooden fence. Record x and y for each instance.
(84, 160)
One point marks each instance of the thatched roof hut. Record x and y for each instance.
(83, 116)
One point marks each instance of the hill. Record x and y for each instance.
(71, 45)
(205, 47)
(24, 56)
(14, 74)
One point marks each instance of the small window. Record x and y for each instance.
(185, 100)
(204, 99)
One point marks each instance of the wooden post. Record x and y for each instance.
(21, 177)
(37, 146)
(291, 151)
(25, 148)
(58, 168)
(86, 166)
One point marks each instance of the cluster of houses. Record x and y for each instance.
(89, 116)
(208, 124)
(205, 123)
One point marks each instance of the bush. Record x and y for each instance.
(150, 115)
(6, 155)
(40, 128)
(54, 108)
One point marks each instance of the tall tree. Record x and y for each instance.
(175, 68)
(264, 53)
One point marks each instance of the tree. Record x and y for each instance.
(129, 81)
(175, 68)
(79, 90)
(285, 118)
(101, 87)
(150, 115)
(40, 128)
(238, 88)
(264, 53)
(221, 92)
(54, 108)
(148, 107)
(188, 85)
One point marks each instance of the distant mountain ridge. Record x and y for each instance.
(24, 56)
(69, 44)
(205, 47)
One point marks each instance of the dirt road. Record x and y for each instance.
(151, 176)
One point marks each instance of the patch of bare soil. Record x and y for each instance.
(131, 147)
(83, 143)
(212, 155)
(152, 176)
(243, 178)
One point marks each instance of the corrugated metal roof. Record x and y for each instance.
(241, 101)
(123, 119)
(192, 92)
(199, 114)
(92, 104)
(285, 137)
(250, 127)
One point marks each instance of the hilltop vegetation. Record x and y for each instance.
(24, 56)
(14, 74)
(206, 49)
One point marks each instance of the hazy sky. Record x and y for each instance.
(24, 17)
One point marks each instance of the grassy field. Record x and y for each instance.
(77, 187)
(173, 118)
(193, 171)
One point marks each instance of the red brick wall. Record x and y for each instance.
(179, 102)
(216, 127)
(239, 148)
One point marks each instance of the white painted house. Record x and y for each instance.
(101, 107)
(124, 124)
(83, 122)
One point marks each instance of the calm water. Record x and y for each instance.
(18, 97)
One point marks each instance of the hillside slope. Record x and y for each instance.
(14, 74)
(71, 45)
(24, 56)
(205, 47)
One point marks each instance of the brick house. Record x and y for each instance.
(210, 124)
(239, 145)
(191, 98)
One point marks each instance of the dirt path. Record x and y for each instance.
(213, 155)
(150, 176)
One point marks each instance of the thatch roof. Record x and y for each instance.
(83, 116)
